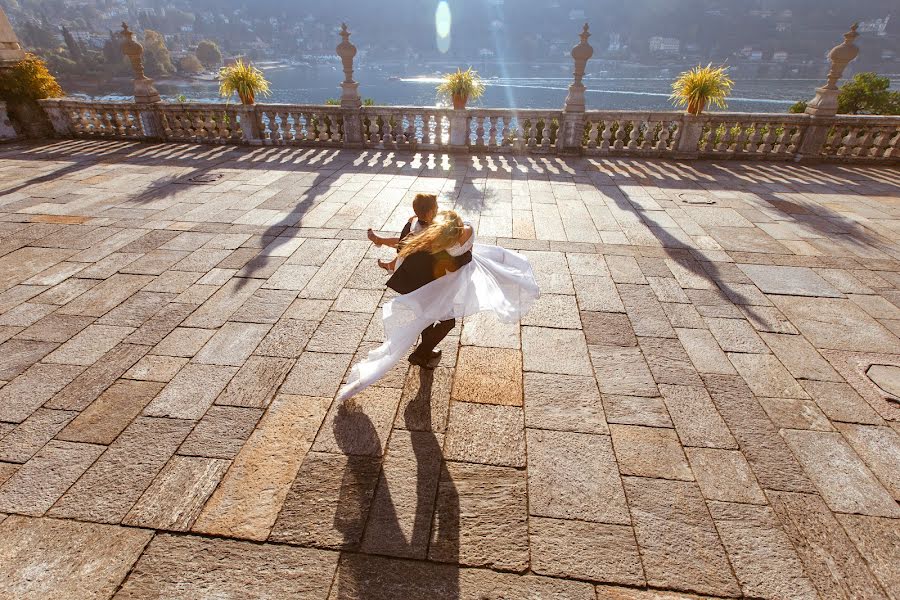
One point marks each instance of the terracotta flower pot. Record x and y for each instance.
(695, 107)
(459, 101)
(247, 97)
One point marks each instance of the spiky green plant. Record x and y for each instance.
(242, 79)
(461, 87)
(702, 86)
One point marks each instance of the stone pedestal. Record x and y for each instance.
(350, 99)
(6, 129)
(144, 92)
(825, 103)
(150, 120)
(813, 139)
(250, 129)
(689, 136)
(571, 133)
(459, 130)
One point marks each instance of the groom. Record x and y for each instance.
(415, 271)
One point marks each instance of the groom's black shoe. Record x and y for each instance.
(426, 360)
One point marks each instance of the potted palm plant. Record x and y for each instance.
(701, 86)
(242, 79)
(461, 86)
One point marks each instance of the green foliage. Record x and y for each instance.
(798, 107)
(242, 79)
(27, 80)
(209, 54)
(190, 64)
(39, 36)
(466, 84)
(868, 93)
(157, 60)
(72, 45)
(701, 86)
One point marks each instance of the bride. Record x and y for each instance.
(453, 277)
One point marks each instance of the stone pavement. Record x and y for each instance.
(687, 410)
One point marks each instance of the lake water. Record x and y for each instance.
(609, 86)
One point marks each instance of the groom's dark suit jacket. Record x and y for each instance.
(421, 268)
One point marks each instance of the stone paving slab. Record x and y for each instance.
(686, 413)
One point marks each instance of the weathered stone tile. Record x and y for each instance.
(704, 352)
(135, 311)
(196, 567)
(232, 344)
(574, 476)
(766, 376)
(21, 264)
(85, 388)
(221, 305)
(358, 300)
(649, 452)
(552, 272)
(736, 335)
(287, 338)
(791, 281)
(156, 368)
(55, 328)
(635, 410)
(724, 475)
(190, 392)
(622, 371)
(59, 294)
(317, 373)
(25, 314)
(487, 434)
(425, 400)
(339, 332)
(762, 555)
(48, 559)
(586, 264)
(672, 514)
(360, 426)
(840, 402)
(596, 294)
(862, 370)
(183, 341)
(878, 540)
(175, 497)
(7, 470)
(488, 376)
(203, 259)
(667, 289)
(26, 393)
(769, 456)
(105, 296)
(841, 477)
(382, 578)
(690, 274)
(768, 319)
(328, 502)
(608, 592)
(879, 447)
(683, 316)
(221, 432)
(308, 309)
(111, 486)
(481, 517)
(624, 269)
(255, 383)
(172, 282)
(291, 277)
(800, 358)
(564, 403)
(829, 557)
(645, 312)
(160, 325)
(481, 329)
(795, 414)
(668, 361)
(87, 347)
(608, 329)
(110, 414)
(250, 496)
(554, 310)
(837, 324)
(264, 306)
(30, 436)
(37, 484)
(17, 355)
(555, 351)
(587, 551)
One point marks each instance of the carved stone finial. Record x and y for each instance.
(143, 85)
(581, 53)
(349, 88)
(825, 102)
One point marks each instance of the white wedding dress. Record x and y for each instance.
(495, 280)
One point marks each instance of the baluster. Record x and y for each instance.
(619, 144)
(373, 129)
(426, 128)
(521, 141)
(593, 132)
(725, 140)
(606, 136)
(492, 132)
(337, 124)
(848, 142)
(648, 128)
(322, 127)
(740, 140)
(662, 143)
(387, 129)
(795, 139)
(634, 134)
(864, 144)
(275, 124)
(755, 139)
(544, 133)
(882, 138)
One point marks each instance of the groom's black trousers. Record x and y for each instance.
(433, 334)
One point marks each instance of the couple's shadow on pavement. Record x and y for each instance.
(380, 531)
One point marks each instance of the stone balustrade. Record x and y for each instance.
(670, 134)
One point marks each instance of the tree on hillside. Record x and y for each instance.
(209, 54)
(72, 45)
(190, 64)
(38, 36)
(157, 60)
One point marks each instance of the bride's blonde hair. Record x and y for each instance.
(444, 232)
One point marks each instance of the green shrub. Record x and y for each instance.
(28, 80)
